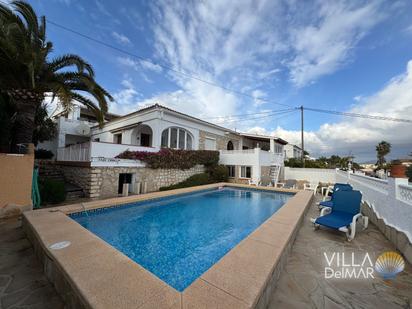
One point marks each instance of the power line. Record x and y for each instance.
(166, 67)
(261, 117)
(357, 115)
(256, 113)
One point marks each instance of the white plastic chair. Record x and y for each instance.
(311, 186)
(253, 182)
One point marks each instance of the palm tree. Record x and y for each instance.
(382, 149)
(27, 73)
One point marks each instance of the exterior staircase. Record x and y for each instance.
(274, 173)
(48, 171)
(73, 192)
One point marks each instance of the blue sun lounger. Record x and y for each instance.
(337, 187)
(344, 214)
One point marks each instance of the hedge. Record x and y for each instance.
(213, 174)
(195, 180)
(52, 191)
(171, 158)
(43, 154)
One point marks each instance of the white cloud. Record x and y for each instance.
(246, 44)
(259, 97)
(324, 44)
(121, 38)
(408, 29)
(231, 39)
(126, 100)
(359, 135)
(211, 41)
(139, 65)
(151, 66)
(67, 2)
(101, 7)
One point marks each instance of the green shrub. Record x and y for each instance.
(171, 158)
(218, 173)
(52, 191)
(195, 180)
(43, 154)
(409, 172)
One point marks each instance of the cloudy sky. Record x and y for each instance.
(352, 56)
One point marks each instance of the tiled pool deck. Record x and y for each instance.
(243, 278)
(22, 282)
(301, 284)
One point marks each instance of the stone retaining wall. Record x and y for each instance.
(102, 182)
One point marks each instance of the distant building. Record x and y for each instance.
(292, 151)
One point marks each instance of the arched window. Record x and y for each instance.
(176, 138)
(230, 146)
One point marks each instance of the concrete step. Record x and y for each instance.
(73, 192)
(74, 195)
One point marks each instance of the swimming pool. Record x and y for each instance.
(179, 238)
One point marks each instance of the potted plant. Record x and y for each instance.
(398, 170)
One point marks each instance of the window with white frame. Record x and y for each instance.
(231, 170)
(176, 138)
(246, 172)
(278, 148)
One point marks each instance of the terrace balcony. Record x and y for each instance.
(100, 153)
(256, 158)
(251, 157)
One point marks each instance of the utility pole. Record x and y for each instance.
(301, 135)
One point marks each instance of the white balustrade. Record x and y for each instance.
(374, 183)
(78, 152)
(405, 194)
(237, 151)
(97, 151)
(391, 199)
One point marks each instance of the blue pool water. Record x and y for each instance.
(179, 238)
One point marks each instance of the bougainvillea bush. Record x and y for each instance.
(172, 158)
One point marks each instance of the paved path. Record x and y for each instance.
(22, 282)
(302, 283)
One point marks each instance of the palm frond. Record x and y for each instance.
(29, 15)
(90, 105)
(42, 28)
(71, 60)
(25, 64)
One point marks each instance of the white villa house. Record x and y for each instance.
(82, 143)
(292, 151)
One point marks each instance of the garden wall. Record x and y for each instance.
(16, 173)
(310, 174)
(102, 182)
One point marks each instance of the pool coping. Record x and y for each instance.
(90, 273)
